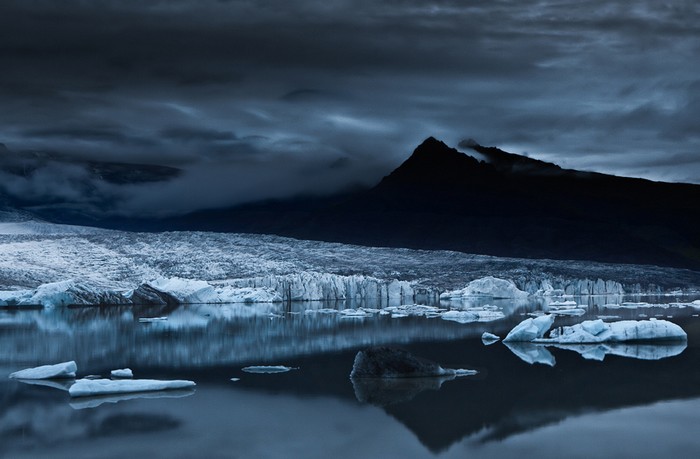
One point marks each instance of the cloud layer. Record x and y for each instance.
(266, 99)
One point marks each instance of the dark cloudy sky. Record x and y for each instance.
(257, 99)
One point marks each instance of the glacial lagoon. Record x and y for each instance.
(631, 400)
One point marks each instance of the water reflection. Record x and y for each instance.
(509, 401)
(532, 353)
(388, 391)
(93, 402)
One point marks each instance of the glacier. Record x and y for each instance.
(44, 265)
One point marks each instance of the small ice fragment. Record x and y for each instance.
(59, 370)
(489, 338)
(235, 379)
(122, 373)
(268, 369)
(462, 372)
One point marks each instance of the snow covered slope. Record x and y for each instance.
(84, 266)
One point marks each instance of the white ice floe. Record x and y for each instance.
(122, 373)
(354, 313)
(530, 329)
(563, 303)
(89, 387)
(597, 331)
(472, 315)
(461, 371)
(59, 370)
(567, 311)
(235, 379)
(416, 310)
(489, 338)
(487, 286)
(268, 369)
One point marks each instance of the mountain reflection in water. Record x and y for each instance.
(508, 402)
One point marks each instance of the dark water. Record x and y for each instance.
(622, 406)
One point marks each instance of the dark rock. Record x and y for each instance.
(389, 362)
(148, 295)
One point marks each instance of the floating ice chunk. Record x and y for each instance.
(89, 387)
(567, 311)
(530, 329)
(418, 310)
(531, 353)
(462, 371)
(59, 370)
(472, 315)
(235, 379)
(354, 313)
(597, 331)
(563, 303)
(122, 373)
(489, 338)
(487, 286)
(268, 369)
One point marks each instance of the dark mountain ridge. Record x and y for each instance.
(487, 201)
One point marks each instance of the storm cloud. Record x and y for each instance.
(253, 100)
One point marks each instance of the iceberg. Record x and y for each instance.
(268, 369)
(472, 315)
(57, 371)
(487, 286)
(597, 331)
(530, 329)
(122, 373)
(90, 387)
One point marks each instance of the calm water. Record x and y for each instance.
(623, 406)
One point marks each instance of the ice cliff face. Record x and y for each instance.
(312, 286)
(557, 285)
